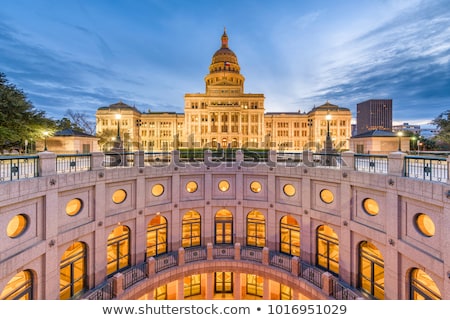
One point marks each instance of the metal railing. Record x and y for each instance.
(223, 252)
(166, 261)
(18, 167)
(103, 292)
(281, 261)
(134, 274)
(73, 162)
(341, 292)
(311, 274)
(426, 168)
(371, 163)
(195, 254)
(251, 253)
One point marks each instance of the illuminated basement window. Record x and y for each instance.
(17, 226)
(224, 185)
(425, 224)
(255, 186)
(157, 190)
(119, 196)
(326, 196)
(191, 186)
(73, 207)
(371, 207)
(289, 190)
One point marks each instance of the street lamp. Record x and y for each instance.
(328, 142)
(45, 140)
(413, 138)
(399, 134)
(138, 125)
(118, 117)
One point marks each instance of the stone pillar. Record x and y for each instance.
(151, 266)
(97, 159)
(265, 256)
(237, 251)
(396, 163)
(47, 163)
(139, 159)
(237, 290)
(181, 257)
(209, 294)
(348, 160)
(295, 266)
(117, 284)
(326, 283)
(209, 251)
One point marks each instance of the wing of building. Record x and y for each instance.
(224, 116)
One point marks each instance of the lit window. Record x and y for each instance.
(327, 249)
(371, 207)
(422, 286)
(289, 190)
(326, 196)
(119, 196)
(191, 186)
(17, 226)
(118, 250)
(72, 279)
(425, 224)
(73, 207)
(20, 287)
(255, 186)
(157, 190)
(224, 185)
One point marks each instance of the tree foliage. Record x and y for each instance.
(19, 120)
(442, 122)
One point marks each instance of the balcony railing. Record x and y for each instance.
(423, 167)
(134, 274)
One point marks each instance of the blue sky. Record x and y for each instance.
(85, 54)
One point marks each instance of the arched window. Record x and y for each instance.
(192, 285)
(156, 236)
(371, 270)
(255, 285)
(327, 249)
(256, 229)
(290, 236)
(118, 250)
(422, 287)
(223, 282)
(20, 287)
(72, 272)
(191, 229)
(223, 223)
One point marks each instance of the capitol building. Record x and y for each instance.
(321, 226)
(226, 117)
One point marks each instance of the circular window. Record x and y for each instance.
(289, 190)
(119, 196)
(17, 226)
(224, 185)
(73, 207)
(371, 206)
(425, 224)
(326, 196)
(191, 186)
(157, 190)
(255, 186)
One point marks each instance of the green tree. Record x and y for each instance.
(19, 120)
(442, 122)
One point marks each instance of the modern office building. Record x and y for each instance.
(225, 116)
(374, 114)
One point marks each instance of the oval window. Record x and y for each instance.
(119, 196)
(73, 207)
(17, 226)
(425, 224)
(289, 190)
(371, 207)
(326, 196)
(255, 186)
(224, 185)
(157, 190)
(191, 186)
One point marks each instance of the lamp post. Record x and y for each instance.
(118, 117)
(45, 140)
(413, 143)
(138, 125)
(399, 134)
(328, 142)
